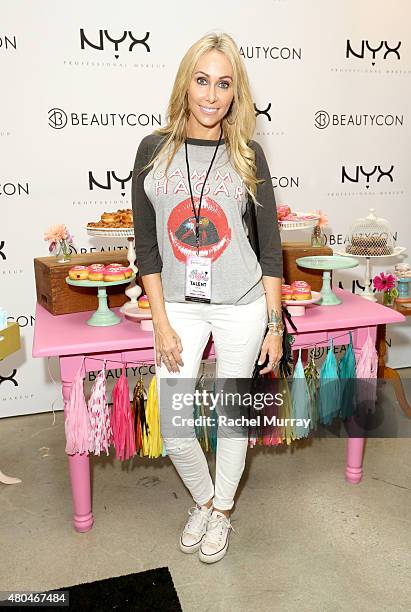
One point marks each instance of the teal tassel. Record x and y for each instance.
(329, 391)
(347, 375)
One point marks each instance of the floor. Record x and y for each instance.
(305, 539)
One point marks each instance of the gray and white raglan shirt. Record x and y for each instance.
(165, 229)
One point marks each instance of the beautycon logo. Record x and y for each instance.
(104, 40)
(23, 320)
(59, 119)
(372, 51)
(371, 175)
(285, 181)
(8, 43)
(270, 53)
(323, 119)
(2, 253)
(111, 180)
(14, 189)
(264, 112)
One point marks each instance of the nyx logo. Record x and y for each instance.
(366, 49)
(110, 174)
(263, 112)
(2, 255)
(360, 172)
(104, 36)
(10, 378)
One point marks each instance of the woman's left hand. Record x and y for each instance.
(273, 346)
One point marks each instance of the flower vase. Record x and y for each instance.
(317, 236)
(63, 252)
(389, 297)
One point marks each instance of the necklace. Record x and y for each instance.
(197, 214)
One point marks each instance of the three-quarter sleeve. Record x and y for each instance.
(148, 257)
(269, 240)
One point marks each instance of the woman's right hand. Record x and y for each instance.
(168, 347)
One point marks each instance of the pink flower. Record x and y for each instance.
(55, 233)
(384, 282)
(323, 219)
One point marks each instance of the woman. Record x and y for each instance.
(191, 183)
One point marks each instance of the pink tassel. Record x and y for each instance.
(101, 434)
(122, 421)
(77, 422)
(366, 368)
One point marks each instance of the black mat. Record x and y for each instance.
(149, 591)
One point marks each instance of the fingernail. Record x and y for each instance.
(260, 362)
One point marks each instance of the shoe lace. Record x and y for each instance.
(196, 521)
(217, 526)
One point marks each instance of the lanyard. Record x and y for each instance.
(197, 215)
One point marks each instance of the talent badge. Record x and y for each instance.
(198, 279)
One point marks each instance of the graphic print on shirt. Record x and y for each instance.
(215, 234)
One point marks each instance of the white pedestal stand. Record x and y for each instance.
(134, 291)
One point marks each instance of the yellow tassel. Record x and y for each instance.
(153, 446)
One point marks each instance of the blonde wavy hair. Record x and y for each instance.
(239, 123)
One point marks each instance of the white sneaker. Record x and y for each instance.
(215, 542)
(195, 528)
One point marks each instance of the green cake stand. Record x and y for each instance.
(103, 316)
(327, 263)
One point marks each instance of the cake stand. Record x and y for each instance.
(103, 316)
(139, 314)
(307, 221)
(367, 292)
(296, 308)
(134, 291)
(327, 263)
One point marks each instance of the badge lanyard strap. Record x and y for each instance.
(197, 217)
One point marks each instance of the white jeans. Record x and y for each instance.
(238, 332)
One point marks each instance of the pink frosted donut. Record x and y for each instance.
(95, 272)
(143, 302)
(126, 271)
(111, 273)
(301, 292)
(300, 285)
(286, 292)
(78, 273)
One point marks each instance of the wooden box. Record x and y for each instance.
(292, 272)
(56, 296)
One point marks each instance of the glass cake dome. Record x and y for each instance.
(370, 237)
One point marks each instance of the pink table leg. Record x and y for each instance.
(355, 453)
(355, 446)
(79, 465)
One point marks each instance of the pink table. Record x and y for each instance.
(70, 338)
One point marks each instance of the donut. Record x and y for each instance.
(282, 211)
(111, 274)
(78, 273)
(286, 292)
(143, 302)
(96, 272)
(301, 290)
(126, 270)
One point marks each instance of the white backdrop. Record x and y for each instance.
(69, 109)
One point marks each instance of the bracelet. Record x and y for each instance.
(275, 329)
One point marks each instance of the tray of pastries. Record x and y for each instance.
(117, 223)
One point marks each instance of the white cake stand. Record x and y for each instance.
(134, 291)
(367, 292)
(296, 308)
